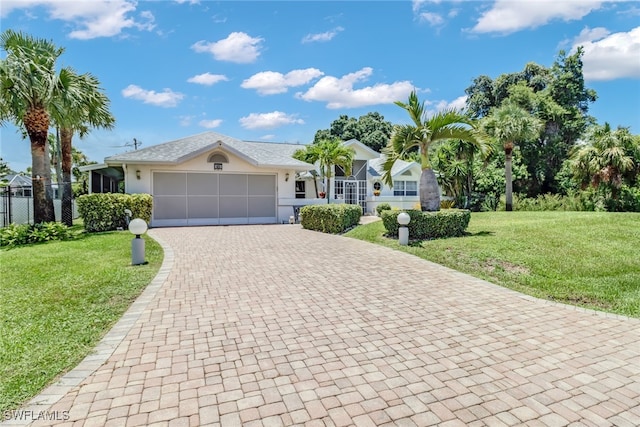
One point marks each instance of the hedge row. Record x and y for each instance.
(334, 218)
(429, 225)
(104, 212)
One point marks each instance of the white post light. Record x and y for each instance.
(403, 230)
(138, 227)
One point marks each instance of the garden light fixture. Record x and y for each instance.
(138, 227)
(403, 230)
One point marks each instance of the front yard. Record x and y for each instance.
(587, 259)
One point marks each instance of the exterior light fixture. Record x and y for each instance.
(137, 227)
(403, 230)
(138, 173)
(286, 176)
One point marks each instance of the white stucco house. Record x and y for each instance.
(210, 179)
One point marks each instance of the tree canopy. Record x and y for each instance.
(371, 129)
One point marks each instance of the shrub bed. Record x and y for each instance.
(383, 207)
(23, 234)
(330, 218)
(104, 212)
(429, 225)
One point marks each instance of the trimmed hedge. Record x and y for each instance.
(383, 207)
(429, 225)
(104, 212)
(333, 219)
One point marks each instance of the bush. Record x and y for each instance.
(383, 207)
(104, 212)
(334, 219)
(23, 234)
(430, 225)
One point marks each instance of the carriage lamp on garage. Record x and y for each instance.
(403, 230)
(138, 227)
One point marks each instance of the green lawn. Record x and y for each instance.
(57, 300)
(583, 258)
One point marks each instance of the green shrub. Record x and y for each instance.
(23, 234)
(104, 212)
(429, 225)
(383, 207)
(335, 218)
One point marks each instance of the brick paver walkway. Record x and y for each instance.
(279, 326)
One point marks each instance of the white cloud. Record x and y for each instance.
(238, 47)
(207, 79)
(458, 104)
(210, 124)
(507, 16)
(609, 56)
(322, 37)
(271, 82)
(269, 120)
(166, 98)
(340, 93)
(432, 18)
(90, 19)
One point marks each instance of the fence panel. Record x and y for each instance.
(19, 209)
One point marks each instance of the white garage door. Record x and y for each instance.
(192, 198)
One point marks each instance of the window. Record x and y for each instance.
(218, 158)
(300, 190)
(405, 188)
(377, 186)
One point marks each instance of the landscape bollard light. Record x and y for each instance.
(138, 227)
(403, 230)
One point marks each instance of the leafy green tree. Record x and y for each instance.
(556, 95)
(328, 153)
(4, 167)
(508, 125)
(80, 106)
(421, 134)
(609, 160)
(371, 129)
(29, 84)
(455, 161)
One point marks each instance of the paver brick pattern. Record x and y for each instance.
(279, 326)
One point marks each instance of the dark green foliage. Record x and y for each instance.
(383, 207)
(104, 212)
(371, 129)
(429, 225)
(334, 218)
(23, 234)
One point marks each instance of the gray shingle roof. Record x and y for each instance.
(261, 154)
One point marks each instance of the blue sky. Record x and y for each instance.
(280, 71)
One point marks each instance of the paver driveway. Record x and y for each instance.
(276, 325)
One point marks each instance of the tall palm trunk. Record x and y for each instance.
(66, 136)
(429, 191)
(36, 122)
(508, 149)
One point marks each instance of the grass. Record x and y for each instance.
(586, 259)
(57, 300)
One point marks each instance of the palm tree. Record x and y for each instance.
(405, 139)
(29, 84)
(510, 124)
(80, 105)
(328, 152)
(610, 158)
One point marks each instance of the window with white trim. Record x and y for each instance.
(405, 188)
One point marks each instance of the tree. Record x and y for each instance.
(29, 84)
(455, 161)
(327, 153)
(510, 124)
(4, 167)
(371, 129)
(449, 124)
(609, 159)
(558, 96)
(80, 105)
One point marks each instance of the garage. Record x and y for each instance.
(208, 198)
